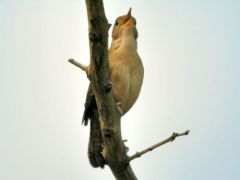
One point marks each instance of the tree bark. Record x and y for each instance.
(98, 72)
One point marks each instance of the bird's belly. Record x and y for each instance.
(134, 90)
(126, 86)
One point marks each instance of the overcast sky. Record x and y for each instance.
(190, 51)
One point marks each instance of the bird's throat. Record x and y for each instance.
(126, 42)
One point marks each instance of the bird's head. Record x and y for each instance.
(125, 23)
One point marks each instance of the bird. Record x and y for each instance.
(126, 73)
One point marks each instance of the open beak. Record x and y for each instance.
(128, 16)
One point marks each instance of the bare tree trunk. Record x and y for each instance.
(98, 72)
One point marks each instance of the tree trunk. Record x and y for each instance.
(114, 150)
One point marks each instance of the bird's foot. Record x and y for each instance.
(119, 108)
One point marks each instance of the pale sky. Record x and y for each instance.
(190, 51)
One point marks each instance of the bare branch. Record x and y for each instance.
(78, 64)
(170, 139)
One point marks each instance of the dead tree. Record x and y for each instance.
(99, 76)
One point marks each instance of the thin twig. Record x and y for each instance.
(78, 64)
(171, 138)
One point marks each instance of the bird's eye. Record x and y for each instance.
(135, 22)
(116, 23)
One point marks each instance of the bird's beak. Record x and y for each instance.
(128, 16)
(129, 13)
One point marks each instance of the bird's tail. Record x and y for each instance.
(95, 145)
